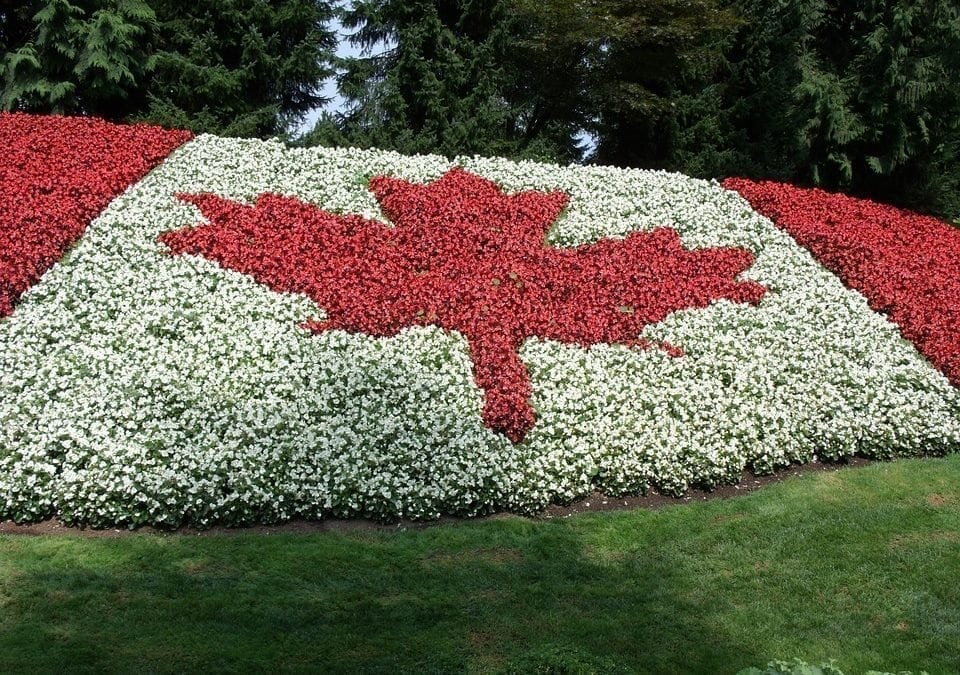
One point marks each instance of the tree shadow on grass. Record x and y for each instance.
(508, 595)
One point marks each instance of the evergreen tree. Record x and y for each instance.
(16, 21)
(640, 71)
(82, 59)
(239, 67)
(553, 62)
(449, 81)
(762, 86)
(652, 79)
(235, 67)
(862, 96)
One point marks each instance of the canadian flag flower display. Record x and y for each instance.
(252, 333)
(906, 264)
(464, 256)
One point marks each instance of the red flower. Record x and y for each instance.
(57, 174)
(907, 265)
(466, 256)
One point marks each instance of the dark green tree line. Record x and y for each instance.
(528, 78)
(645, 71)
(240, 67)
(237, 67)
(15, 22)
(81, 60)
(859, 95)
(862, 96)
(448, 78)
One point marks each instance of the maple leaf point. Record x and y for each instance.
(466, 256)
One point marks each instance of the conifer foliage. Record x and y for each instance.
(862, 96)
(15, 23)
(859, 95)
(429, 90)
(449, 76)
(81, 59)
(644, 67)
(238, 67)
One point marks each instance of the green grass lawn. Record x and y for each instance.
(860, 565)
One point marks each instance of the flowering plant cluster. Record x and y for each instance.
(465, 256)
(235, 339)
(55, 176)
(906, 264)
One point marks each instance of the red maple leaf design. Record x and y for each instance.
(465, 256)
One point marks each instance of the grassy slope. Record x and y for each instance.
(861, 565)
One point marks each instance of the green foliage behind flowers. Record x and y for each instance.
(449, 77)
(861, 96)
(88, 59)
(238, 67)
(642, 71)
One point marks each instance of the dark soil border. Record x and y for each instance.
(595, 502)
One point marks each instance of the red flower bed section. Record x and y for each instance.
(56, 175)
(465, 256)
(906, 264)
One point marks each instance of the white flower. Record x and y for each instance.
(138, 387)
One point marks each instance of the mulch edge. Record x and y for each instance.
(594, 503)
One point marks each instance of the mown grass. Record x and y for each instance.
(861, 565)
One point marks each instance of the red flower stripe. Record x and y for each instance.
(56, 175)
(906, 264)
(465, 256)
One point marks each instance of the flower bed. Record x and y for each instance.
(57, 174)
(466, 257)
(254, 333)
(906, 264)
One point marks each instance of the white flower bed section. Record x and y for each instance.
(141, 388)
